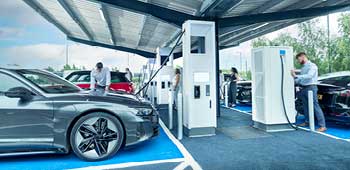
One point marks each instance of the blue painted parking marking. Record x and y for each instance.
(243, 108)
(335, 129)
(240, 108)
(159, 148)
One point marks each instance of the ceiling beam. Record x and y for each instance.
(44, 13)
(252, 30)
(278, 16)
(76, 18)
(207, 6)
(268, 5)
(120, 48)
(269, 28)
(165, 14)
(224, 7)
(105, 12)
(227, 32)
(299, 5)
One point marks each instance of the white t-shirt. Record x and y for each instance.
(102, 78)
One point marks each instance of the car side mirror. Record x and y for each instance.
(19, 92)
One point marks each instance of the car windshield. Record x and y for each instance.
(48, 83)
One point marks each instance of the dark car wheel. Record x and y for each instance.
(96, 136)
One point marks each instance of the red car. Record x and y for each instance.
(118, 81)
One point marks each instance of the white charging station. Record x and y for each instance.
(165, 75)
(268, 112)
(199, 85)
(147, 70)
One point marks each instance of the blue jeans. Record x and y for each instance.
(303, 94)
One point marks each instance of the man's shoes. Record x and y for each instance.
(303, 124)
(321, 129)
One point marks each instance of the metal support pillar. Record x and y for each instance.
(217, 69)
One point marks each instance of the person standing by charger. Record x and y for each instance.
(232, 91)
(308, 82)
(100, 80)
(177, 85)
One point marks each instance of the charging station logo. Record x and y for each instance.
(282, 53)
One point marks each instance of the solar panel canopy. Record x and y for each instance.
(140, 26)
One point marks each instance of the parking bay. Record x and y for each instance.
(157, 149)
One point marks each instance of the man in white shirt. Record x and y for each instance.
(100, 80)
(308, 81)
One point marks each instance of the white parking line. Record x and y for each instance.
(130, 164)
(189, 160)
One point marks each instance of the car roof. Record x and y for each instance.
(88, 71)
(335, 74)
(20, 69)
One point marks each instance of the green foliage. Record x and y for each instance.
(313, 40)
(69, 67)
(246, 75)
(50, 69)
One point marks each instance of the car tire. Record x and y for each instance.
(97, 136)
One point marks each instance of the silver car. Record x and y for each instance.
(43, 113)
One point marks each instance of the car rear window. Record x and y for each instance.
(79, 77)
(118, 78)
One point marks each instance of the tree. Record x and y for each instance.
(69, 67)
(341, 45)
(311, 40)
(50, 69)
(261, 41)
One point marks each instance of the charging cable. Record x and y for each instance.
(163, 64)
(282, 94)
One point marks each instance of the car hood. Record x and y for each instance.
(113, 97)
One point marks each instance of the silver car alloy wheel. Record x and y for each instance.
(96, 137)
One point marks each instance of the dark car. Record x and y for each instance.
(244, 92)
(341, 79)
(334, 101)
(334, 97)
(118, 81)
(43, 113)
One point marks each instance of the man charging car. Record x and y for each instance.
(100, 80)
(307, 79)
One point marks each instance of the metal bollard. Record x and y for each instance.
(179, 116)
(171, 101)
(151, 93)
(311, 111)
(226, 95)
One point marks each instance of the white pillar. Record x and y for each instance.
(311, 111)
(179, 116)
(171, 101)
(171, 60)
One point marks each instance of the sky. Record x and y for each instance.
(28, 40)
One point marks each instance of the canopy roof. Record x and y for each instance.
(140, 26)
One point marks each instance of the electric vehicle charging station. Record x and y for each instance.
(199, 85)
(165, 75)
(273, 88)
(151, 92)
